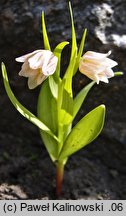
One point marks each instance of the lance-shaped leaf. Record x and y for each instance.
(44, 32)
(47, 113)
(54, 80)
(80, 52)
(79, 99)
(53, 87)
(26, 113)
(65, 109)
(47, 109)
(84, 132)
(69, 72)
(50, 144)
(74, 42)
(57, 52)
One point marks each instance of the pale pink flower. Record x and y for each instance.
(97, 66)
(37, 66)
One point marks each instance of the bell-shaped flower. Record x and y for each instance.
(97, 66)
(37, 66)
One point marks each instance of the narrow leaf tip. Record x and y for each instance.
(103, 106)
(118, 73)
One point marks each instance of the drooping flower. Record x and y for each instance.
(97, 66)
(37, 66)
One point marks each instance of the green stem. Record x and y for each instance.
(59, 177)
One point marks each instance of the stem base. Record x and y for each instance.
(59, 178)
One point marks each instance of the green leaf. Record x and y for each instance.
(50, 144)
(66, 131)
(84, 132)
(65, 96)
(67, 79)
(65, 104)
(69, 72)
(47, 109)
(119, 73)
(66, 110)
(54, 80)
(79, 99)
(26, 113)
(44, 32)
(47, 113)
(80, 52)
(57, 52)
(53, 87)
(74, 42)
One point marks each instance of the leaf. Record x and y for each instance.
(74, 42)
(66, 110)
(50, 144)
(84, 132)
(47, 113)
(118, 73)
(69, 72)
(65, 117)
(44, 32)
(80, 52)
(26, 113)
(67, 102)
(66, 131)
(55, 80)
(53, 87)
(65, 105)
(47, 107)
(79, 99)
(57, 52)
(67, 79)
(65, 96)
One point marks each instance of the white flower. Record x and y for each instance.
(37, 66)
(97, 66)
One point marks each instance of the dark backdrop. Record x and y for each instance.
(98, 171)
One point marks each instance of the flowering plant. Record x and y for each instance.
(57, 108)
